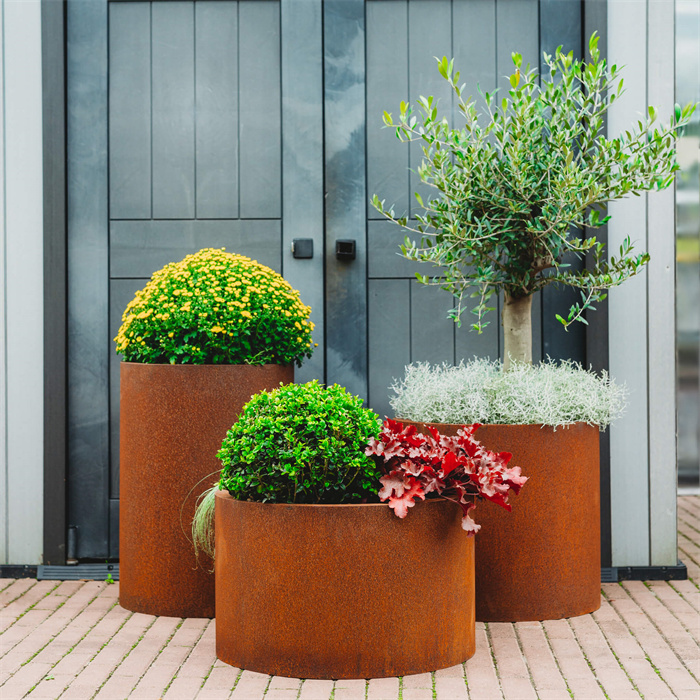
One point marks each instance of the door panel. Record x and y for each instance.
(194, 160)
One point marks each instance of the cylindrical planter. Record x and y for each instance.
(342, 591)
(542, 560)
(173, 419)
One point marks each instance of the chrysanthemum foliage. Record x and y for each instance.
(516, 184)
(458, 468)
(215, 307)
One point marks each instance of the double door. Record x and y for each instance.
(246, 124)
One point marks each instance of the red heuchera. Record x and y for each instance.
(456, 468)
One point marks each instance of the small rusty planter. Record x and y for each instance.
(172, 421)
(342, 591)
(542, 560)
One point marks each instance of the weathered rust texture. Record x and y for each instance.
(342, 591)
(173, 419)
(542, 560)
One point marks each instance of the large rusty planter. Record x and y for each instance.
(342, 591)
(542, 560)
(172, 421)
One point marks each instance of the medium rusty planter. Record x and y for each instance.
(173, 419)
(542, 560)
(342, 591)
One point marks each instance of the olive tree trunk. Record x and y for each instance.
(517, 330)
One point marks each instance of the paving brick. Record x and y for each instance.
(383, 689)
(656, 648)
(450, 688)
(681, 609)
(417, 694)
(603, 662)
(571, 660)
(221, 681)
(419, 680)
(250, 686)
(679, 639)
(16, 589)
(11, 611)
(350, 689)
(190, 676)
(688, 591)
(627, 650)
(316, 690)
(482, 680)
(108, 658)
(170, 659)
(135, 663)
(543, 668)
(510, 663)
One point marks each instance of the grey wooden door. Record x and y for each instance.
(175, 141)
(245, 124)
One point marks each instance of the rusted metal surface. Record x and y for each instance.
(173, 419)
(542, 560)
(342, 591)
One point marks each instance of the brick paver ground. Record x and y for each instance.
(71, 639)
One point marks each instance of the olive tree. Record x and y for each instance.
(516, 184)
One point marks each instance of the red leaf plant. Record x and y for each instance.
(457, 468)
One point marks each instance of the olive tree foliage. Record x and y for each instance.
(516, 184)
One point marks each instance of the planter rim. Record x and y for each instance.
(225, 494)
(500, 425)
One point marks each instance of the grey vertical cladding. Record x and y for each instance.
(121, 292)
(387, 85)
(260, 119)
(216, 79)
(302, 157)
(432, 332)
(130, 110)
(474, 45)
(389, 316)
(560, 25)
(88, 413)
(346, 193)
(429, 37)
(173, 110)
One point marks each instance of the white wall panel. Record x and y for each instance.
(641, 335)
(22, 490)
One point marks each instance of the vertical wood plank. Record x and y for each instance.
(302, 160)
(387, 85)
(661, 291)
(55, 300)
(3, 316)
(474, 42)
(629, 437)
(518, 31)
(432, 332)
(346, 194)
(88, 256)
(121, 292)
(173, 110)
(23, 292)
(216, 70)
(259, 56)
(130, 110)
(389, 339)
(429, 36)
(560, 25)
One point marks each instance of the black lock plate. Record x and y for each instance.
(345, 249)
(303, 248)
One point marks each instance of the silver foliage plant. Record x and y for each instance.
(550, 393)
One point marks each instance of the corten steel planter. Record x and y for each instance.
(342, 591)
(173, 419)
(542, 560)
